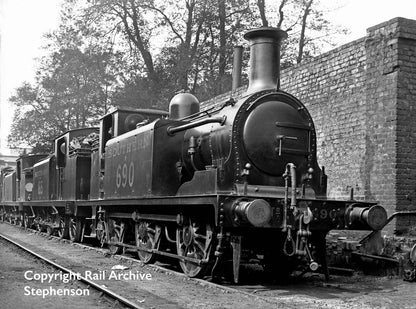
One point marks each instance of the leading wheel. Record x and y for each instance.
(147, 239)
(193, 241)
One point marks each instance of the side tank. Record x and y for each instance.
(113, 125)
(44, 179)
(4, 171)
(24, 175)
(143, 162)
(9, 187)
(73, 163)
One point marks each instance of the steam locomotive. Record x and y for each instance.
(234, 183)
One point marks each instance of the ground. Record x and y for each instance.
(166, 289)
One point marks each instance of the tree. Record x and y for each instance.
(73, 86)
(180, 43)
(306, 12)
(30, 126)
(305, 22)
(138, 53)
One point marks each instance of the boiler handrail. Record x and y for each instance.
(220, 119)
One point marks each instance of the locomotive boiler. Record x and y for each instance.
(236, 182)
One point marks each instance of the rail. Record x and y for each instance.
(96, 286)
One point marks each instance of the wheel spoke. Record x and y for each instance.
(152, 241)
(200, 246)
(61, 226)
(201, 236)
(147, 237)
(115, 234)
(75, 229)
(149, 229)
(193, 240)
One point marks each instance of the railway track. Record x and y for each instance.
(226, 286)
(313, 292)
(158, 268)
(118, 299)
(253, 289)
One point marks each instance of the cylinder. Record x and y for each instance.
(264, 58)
(237, 65)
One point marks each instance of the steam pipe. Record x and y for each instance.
(220, 119)
(237, 65)
(291, 170)
(289, 173)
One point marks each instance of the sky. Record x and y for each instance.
(23, 23)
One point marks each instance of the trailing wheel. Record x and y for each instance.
(115, 235)
(49, 225)
(193, 241)
(21, 221)
(49, 230)
(102, 232)
(75, 229)
(61, 227)
(39, 224)
(147, 235)
(27, 222)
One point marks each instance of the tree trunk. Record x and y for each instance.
(302, 32)
(223, 42)
(135, 36)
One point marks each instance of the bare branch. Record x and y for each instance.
(281, 13)
(306, 13)
(262, 9)
(167, 19)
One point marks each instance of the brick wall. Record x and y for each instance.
(362, 97)
(404, 44)
(332, 88)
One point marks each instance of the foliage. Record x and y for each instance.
(73, 86)
(138, 53)
(305, 22)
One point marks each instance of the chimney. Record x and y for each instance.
(237, 65)
(264, 58)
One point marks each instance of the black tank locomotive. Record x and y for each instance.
(236, 182)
